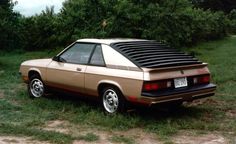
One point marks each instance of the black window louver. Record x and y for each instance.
(152, 54)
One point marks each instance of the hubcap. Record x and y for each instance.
(36, 88)
(110, 101)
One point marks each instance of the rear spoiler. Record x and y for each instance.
(175, 68)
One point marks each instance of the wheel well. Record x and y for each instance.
(32, 72)
(103, 85)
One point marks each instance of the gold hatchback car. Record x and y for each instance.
(121, 71)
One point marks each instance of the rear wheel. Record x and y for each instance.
(112, 100)
(36, 87)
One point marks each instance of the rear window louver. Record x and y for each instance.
(152, 54)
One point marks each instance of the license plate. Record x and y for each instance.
(180, 82)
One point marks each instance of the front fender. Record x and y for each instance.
(35, 69)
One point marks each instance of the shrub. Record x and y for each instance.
(175, 22)
(232, 17)
(41, 31)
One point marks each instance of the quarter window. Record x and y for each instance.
(78, 53)
(97, 58)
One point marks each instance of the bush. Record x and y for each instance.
(41, 31)
(232, 17)
(9, 26)
(175, 22)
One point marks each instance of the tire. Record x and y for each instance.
(112, 100)
(36, 88)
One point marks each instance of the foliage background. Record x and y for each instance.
(176, 22)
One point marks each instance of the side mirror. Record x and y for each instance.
(55, 58)
(58, 59)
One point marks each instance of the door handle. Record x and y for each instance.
(78, 69)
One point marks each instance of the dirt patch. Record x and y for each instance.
(102, 140)
(137, 134)
(84, 142)
(19, 140)
(140, 136)
(1, 94)
(231, 113)
(208, 101)
(58, 126)
(55, 123)
(186, 138)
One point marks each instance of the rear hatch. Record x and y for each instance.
(165, 68)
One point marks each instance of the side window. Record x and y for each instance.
(97, 57)
(79, 53)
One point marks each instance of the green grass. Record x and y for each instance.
(20, 115)
(121, 139)
(53, 137)
(89, 137)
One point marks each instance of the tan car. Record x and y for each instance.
(121, 71)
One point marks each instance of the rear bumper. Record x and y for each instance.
(188, 94)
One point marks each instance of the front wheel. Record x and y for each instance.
(113, 100)
(36, 87)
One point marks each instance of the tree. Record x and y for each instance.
(40, 31)
(176, 22)
(84, 18)
(9, 26)
(216, 5)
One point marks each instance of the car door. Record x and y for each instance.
(67, 72)
(95, 71)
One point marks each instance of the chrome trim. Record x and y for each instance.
(123, 67)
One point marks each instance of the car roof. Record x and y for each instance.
(109, 41)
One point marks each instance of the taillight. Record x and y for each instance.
(204, 79)
(150, 86)
(157, 85)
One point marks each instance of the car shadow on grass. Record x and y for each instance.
(156, 112)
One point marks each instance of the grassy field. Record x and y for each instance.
(22, 116)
